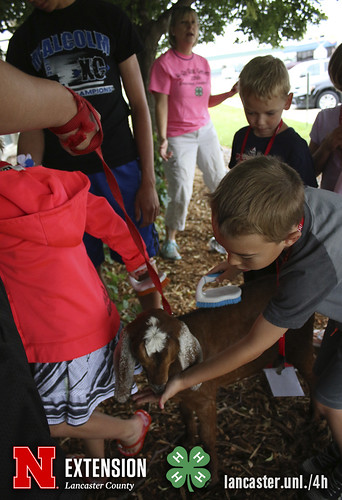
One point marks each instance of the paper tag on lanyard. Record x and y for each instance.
(285, 383)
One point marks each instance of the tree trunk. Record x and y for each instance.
(150, 34)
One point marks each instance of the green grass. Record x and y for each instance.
(229, 119)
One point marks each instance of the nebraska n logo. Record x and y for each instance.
(42, 472)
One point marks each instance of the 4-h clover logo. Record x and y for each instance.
(191, 469)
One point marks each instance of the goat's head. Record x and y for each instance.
(161, 343)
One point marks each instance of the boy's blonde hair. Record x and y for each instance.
(265, 77)
(260, 195)
(335, 68)
(178, 13)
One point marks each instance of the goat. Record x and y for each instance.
(165, 345)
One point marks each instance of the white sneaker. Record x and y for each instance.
(169, 250)
(214, 246)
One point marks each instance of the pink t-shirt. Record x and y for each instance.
(326, 121)
(186, 80)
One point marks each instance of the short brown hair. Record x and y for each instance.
(260, 195)
(177, 14)
(265, 77)
(335, 68)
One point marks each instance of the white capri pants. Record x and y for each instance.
(200, 148)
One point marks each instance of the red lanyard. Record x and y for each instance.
(80, 122)
(270, 142)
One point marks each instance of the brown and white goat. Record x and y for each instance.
(165, 345)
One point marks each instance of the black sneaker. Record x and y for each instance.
(332, 490)
(323, 462)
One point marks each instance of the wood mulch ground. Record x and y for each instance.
(258, 435)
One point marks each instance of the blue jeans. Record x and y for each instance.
(128, 177)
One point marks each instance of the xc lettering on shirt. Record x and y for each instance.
(86, 75)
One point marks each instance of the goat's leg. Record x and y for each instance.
(189, 420)
(206, 412)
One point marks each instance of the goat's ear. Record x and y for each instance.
(124, 368)
(190, 351)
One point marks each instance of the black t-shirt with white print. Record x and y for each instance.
(81, 46)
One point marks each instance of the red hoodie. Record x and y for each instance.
(59, 304)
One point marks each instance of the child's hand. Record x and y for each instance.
(164, 153)
(227, 271)
(88, 135)
(172, 388)
(146, 396)
(83, 133)
(141, 273)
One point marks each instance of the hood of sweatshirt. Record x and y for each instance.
(43, 206)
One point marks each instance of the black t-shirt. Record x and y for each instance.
(288, 146)
(81, 46)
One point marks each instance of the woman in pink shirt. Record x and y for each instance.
(180, 83)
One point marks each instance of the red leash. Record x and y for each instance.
(81, 122)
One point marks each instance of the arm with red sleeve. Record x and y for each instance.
(104, 223)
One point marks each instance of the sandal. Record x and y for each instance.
(133, 449)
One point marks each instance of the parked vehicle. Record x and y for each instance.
(311, 85)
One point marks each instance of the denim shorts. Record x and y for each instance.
(128, 177)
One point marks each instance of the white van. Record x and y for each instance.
(311, 85)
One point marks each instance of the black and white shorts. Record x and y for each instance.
(71, 390)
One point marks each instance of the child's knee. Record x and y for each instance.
(58, 430)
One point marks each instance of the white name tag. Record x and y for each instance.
(284, 384)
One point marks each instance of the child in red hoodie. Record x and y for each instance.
(65, 318)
